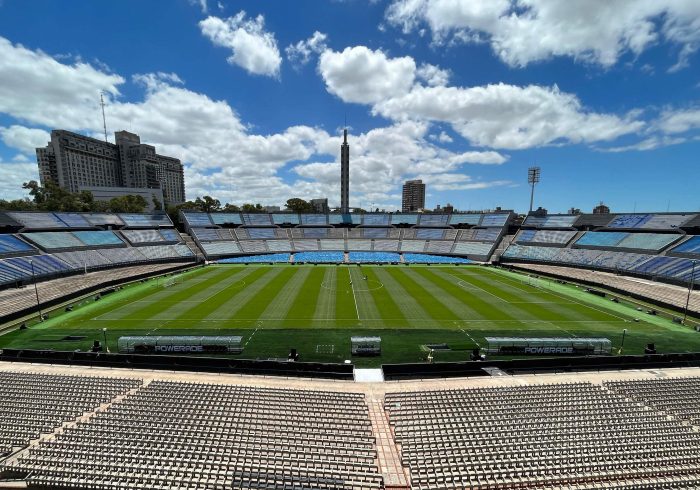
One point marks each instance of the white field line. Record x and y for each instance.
(471, 338)
(562, 329)
(253, 320)
(574, 300)
(251, 337)
(461, 283)
(357, 310)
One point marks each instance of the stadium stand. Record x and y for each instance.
(141, 237)
(99, 238)
(14, 301)
(370, 219)
(301, 245)
(237, 437)
(35, 404)
(495, 220)
(146, 220)
(600, 239)
(690, 247)
(650, 221)
(256, 219)
(319, 257)
(439, 220)
(285, 218)
(226, 218)
(314, 219)
(673, 396)
(197, 220)
(666, 294)
(376, 233)
(212, 234)
(551, 221)
(37, 221)
(473, 249)
(413, 246)
(385, 245)
(279, 245)
(73, 220)
(439, 246)
(404, 219)
(212, 249)
(558, 237)
(332, 244)
(348, 219)
(465, 219)
(590, 221)
(253, 246)
(410, 258)
(266, 258)
(373, 257)
(104, 219)
(11, 245)
(575, 435)
(360, 245)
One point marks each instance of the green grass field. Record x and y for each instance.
(316, 309)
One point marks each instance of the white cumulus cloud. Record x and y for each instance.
(301, 52)
(252, 47)
(508, 116)
(359, 74)
(24, 139)
(525, 31)
(433, 75)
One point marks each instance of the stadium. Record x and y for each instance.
(286, 245)
(287, 350)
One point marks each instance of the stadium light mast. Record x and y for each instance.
(690, 290)
(533, 177)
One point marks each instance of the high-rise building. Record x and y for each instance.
(413, 197)
(345, 174)
(73, 161)
(601, 209)
(320, 205)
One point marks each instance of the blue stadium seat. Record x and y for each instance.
(433, 259)
(373, 257)
(690, 246)
(328, 257)
(11, 245)
(197, 219)
(226, 218)
(256, 259)
(99, 238)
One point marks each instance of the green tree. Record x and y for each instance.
(230, 208)
(299, 205)
(252, 208)
(17, 205)
(207, 204)
(157, 205)
(128, 204)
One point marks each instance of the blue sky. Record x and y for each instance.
(465, 94)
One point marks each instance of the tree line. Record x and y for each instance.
(51, 197)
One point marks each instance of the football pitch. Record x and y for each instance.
(316, 309)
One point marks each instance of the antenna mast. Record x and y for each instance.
(104, 120)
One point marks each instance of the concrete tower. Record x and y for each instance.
(345, 174)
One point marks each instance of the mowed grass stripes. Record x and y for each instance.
(290, 305)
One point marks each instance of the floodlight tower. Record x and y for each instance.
(533, 177)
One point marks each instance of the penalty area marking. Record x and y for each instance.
(467, 285)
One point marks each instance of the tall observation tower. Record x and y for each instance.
(345, 174)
